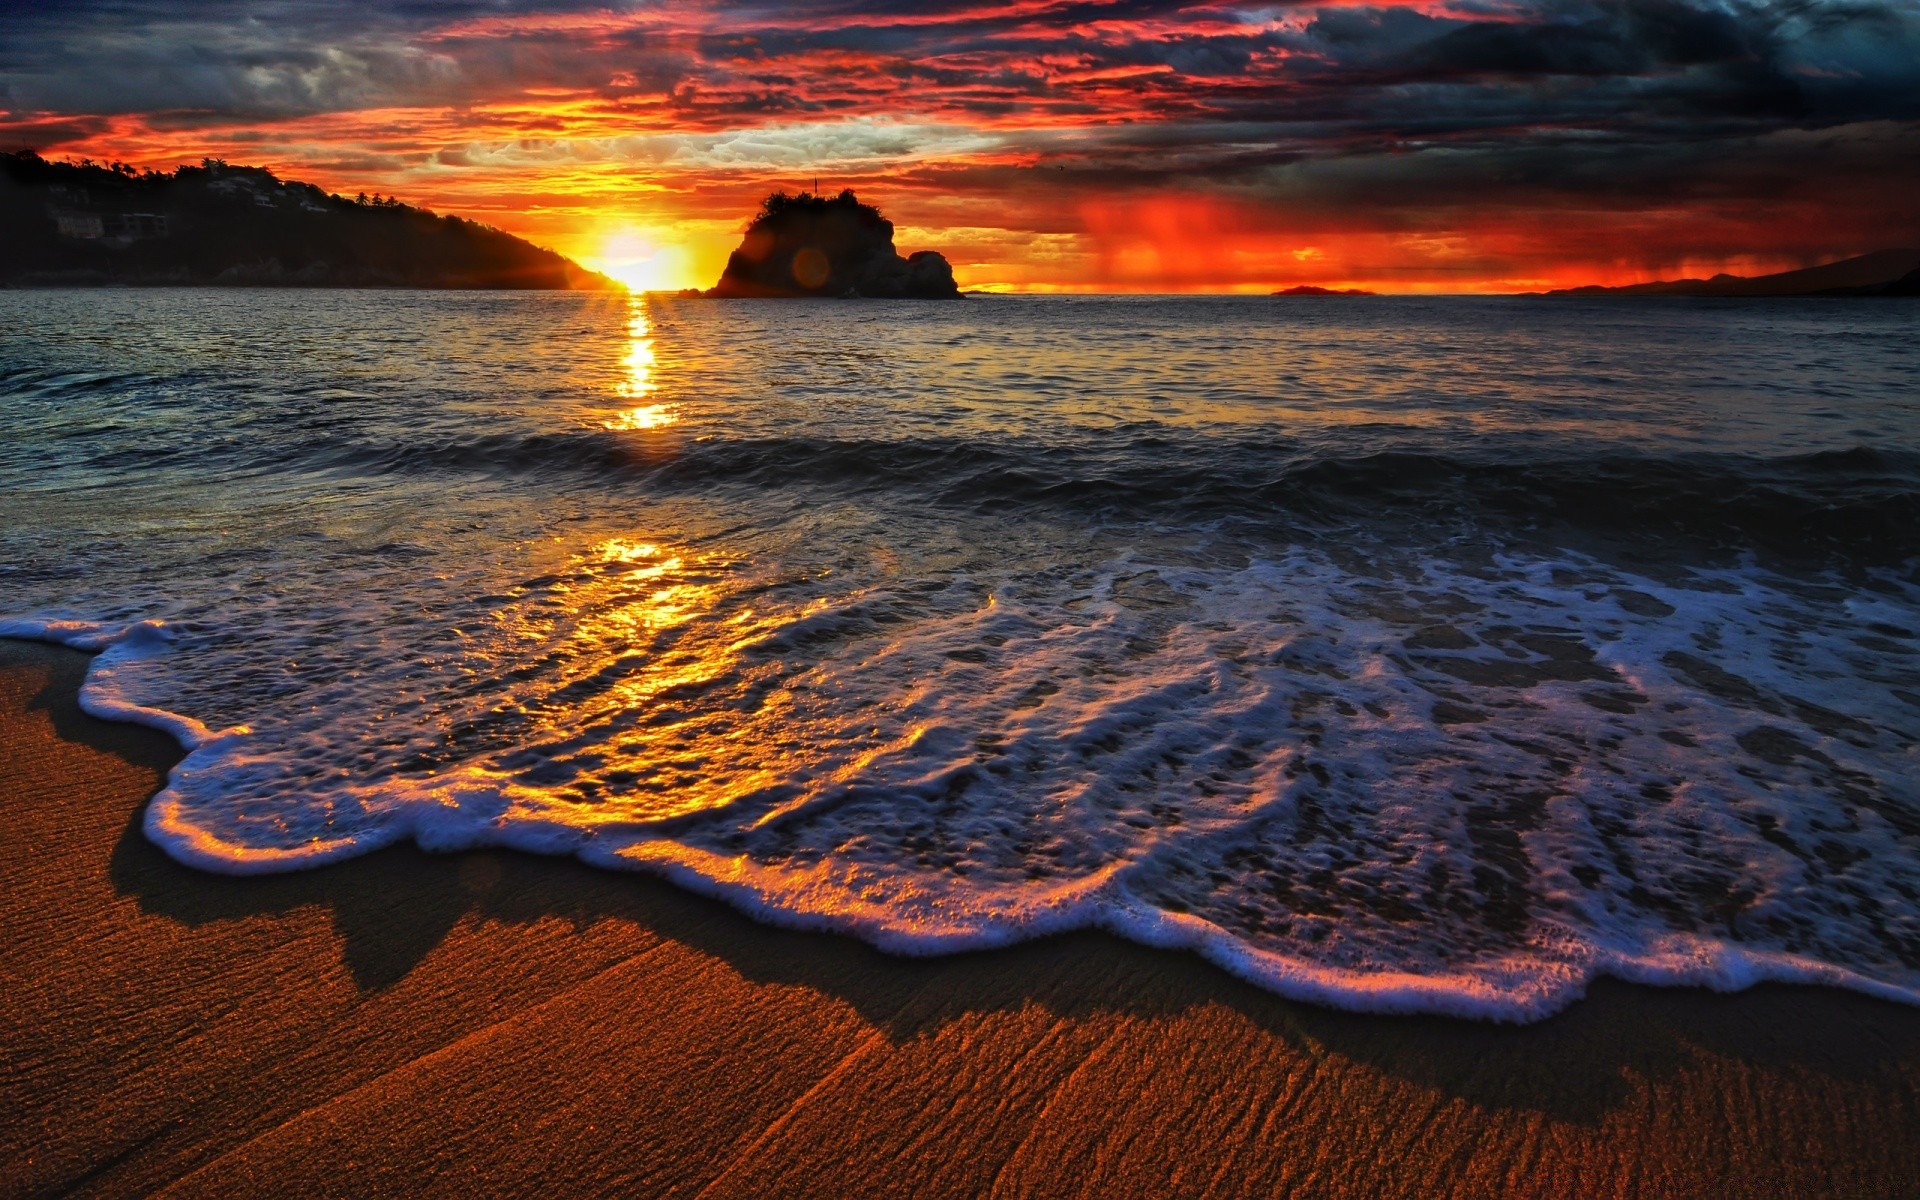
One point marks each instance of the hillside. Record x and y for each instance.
(218, 224)
(1866, 275)
(809, 245)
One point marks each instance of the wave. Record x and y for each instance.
(1273, 766)
(444, 819)
(1861, 503)
(1376, 694)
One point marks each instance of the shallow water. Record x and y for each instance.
(1401, 654)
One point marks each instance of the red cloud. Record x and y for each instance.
(1130, 144)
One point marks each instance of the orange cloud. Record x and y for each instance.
(1057, 144)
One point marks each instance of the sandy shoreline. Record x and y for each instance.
(494, 1023)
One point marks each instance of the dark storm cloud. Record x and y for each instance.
(1136, 59)
(254, 59)
(1615, 39)
(1150, 89)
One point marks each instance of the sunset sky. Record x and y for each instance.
(1134, 145)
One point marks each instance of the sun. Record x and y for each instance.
(639, 260)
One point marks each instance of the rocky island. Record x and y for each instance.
(808, 245)
(80, 224)
(1307, 289)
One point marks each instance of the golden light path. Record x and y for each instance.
(637, 378)
(667, 675)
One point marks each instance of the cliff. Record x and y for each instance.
(809, 245)
(218, 224)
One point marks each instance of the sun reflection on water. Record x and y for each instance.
(637, 381)
(622, 550)
(647, 416)
(652, 720)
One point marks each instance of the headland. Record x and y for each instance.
(217, 224)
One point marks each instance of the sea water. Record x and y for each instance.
(1398, 654)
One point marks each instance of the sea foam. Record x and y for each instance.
(1406, 656)
(1411, 789)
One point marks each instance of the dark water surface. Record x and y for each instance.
(1398, 653)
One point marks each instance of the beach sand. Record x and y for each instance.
(494, 1023)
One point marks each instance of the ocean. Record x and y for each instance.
(1398, 654)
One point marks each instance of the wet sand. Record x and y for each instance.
(495, 1023)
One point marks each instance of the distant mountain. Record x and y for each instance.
(809, 245)
(1906, 285)
(80, 224)
(1876, 274)
(1307, 289)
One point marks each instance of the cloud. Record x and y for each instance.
(1024, 116)
(717, 64)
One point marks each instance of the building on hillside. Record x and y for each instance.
(120, 227)
(134, 226)
(86, 226)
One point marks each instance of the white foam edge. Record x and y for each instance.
(1678, 960)
(1098, 902)
(1101, 902)
(113, 645)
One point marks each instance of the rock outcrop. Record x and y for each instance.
(809, 245)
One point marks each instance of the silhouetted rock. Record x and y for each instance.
(1865, 275)
(809, 245)
(68, 224)
(1309, 290)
